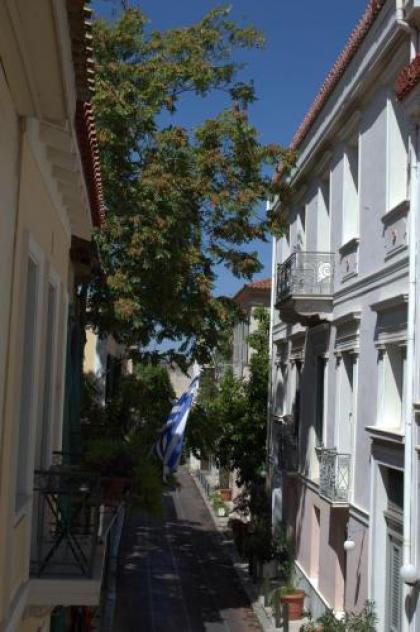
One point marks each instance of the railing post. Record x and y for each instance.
(277, 611)
(266, 590)
(285, 610)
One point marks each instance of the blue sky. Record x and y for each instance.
(303, 41)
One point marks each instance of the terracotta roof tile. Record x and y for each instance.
(261, 284)
(80, 33)
(408, 78)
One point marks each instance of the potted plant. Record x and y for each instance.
(363, 621)
(218, 504)
(289, 593)
(226, 494)
(294, 597)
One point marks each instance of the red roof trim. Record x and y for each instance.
(353, 44)
(88, 146)
(261, 284)
(408, 78)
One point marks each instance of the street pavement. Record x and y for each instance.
(173, 575)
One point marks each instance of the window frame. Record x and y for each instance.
(27, 412)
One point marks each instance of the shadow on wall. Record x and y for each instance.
(337, 530)
(359, 569)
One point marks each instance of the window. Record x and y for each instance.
(397, 162)
(46, 421)
(27, 380)
(351, 190)
(391, 385)
(245, 344)
(281, 388)
(393, 517)
(323, 215)
(394, 583)
(296, 403)
(285, 241)
(301, 229)
(345, 403)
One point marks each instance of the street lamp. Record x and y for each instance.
(409, 574)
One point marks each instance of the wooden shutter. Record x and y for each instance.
(394, 585)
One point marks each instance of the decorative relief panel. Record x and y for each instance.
(349, 259)
(395, 228)
(347, 332)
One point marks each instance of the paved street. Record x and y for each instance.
(173, 575)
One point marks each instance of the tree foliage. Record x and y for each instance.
(179, 201)
(118, 437)
(231, 415)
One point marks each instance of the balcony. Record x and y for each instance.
(287, 443)
(334, 476)
(72, 527)
(305, 285)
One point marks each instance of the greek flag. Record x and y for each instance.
(171, 440)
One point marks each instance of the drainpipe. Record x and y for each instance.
(409, 566)
(400, 16)
(269, 442)
(409, 387)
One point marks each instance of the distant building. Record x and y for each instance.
(106, 360)
(179, 380)
(249, 297)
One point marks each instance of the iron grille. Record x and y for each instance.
(67, 508)
(306, 274)
(334, 475)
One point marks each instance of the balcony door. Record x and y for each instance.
(44, 428)
(346, 404)
(323, 215)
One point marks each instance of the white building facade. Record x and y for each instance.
(344, 436)
(249, 299)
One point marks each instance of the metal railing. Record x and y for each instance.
(208, 486)
(306, 274)
(67, 517)
(334, 475)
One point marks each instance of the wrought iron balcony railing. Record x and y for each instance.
(67, 520)
(306, 274)
(334, 475)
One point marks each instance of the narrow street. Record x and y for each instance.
(173, 575)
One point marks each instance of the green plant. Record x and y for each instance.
(178, 199)
(117, 436)
(217, 502)
(310, 625)
(258, 541)
(363, 621)
(282, 555)
(232, 415)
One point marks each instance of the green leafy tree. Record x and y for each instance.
(118, 437)
(231, 417)
(179, 201)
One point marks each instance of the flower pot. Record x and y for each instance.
(226, 494)
(221, 512)
(295, 602)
